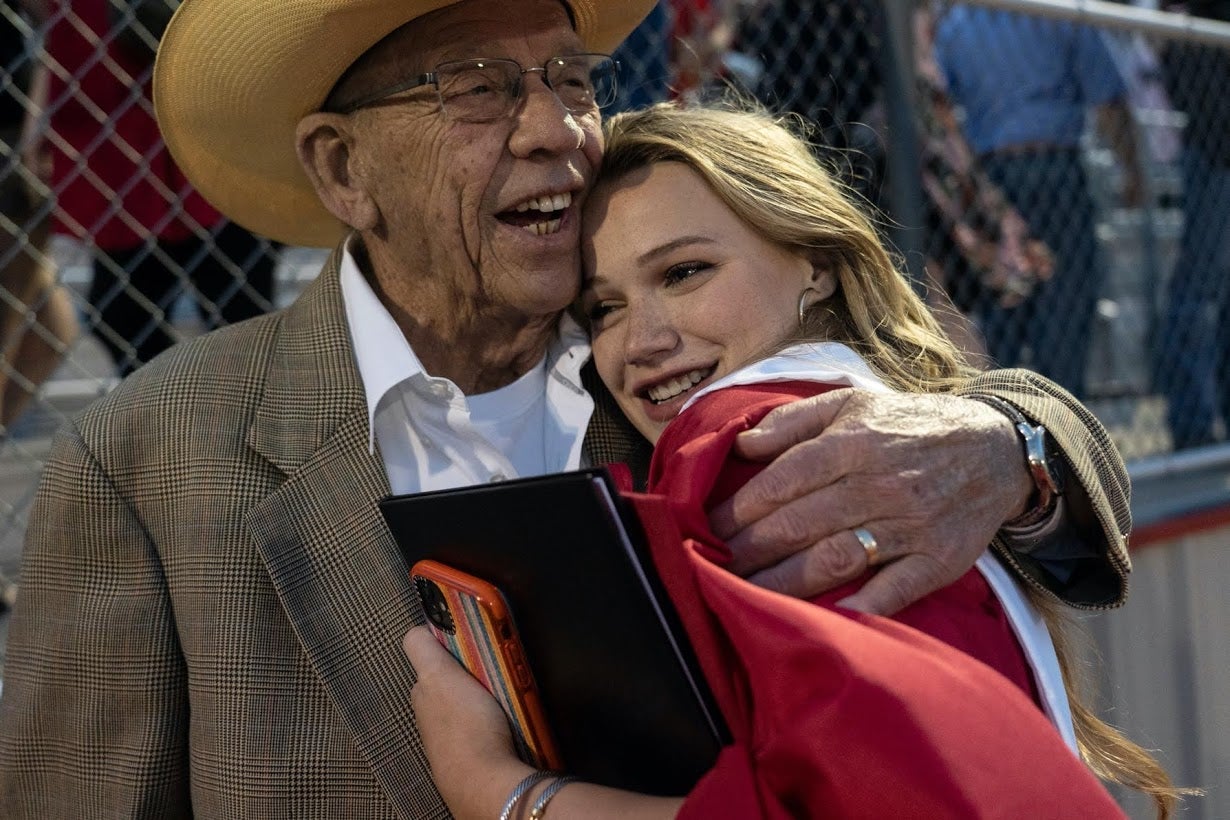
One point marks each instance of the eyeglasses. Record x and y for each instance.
(483, 90)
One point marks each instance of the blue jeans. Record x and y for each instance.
(1049, 188)
(1193, 345)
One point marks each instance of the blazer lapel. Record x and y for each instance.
(337, 571)
(611, 437)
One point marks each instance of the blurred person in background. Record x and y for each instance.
(1193, 346)
(37, 320)
(118, 190)
(978, 245)
(1025, 85)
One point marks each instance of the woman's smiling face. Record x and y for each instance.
(679, 290)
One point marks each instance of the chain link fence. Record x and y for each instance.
(1059, 188)
(1053, 172)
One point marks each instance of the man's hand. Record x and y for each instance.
(931, 477)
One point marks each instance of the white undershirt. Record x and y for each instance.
(432, 436)
(513, 419)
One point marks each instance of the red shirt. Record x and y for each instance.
(114, 179)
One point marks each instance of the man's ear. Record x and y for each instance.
(325, 144)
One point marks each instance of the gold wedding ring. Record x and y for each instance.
(869, 545)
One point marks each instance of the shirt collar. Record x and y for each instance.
(382, 354)
(568, 353)
(829, 362)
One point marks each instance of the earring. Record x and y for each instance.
(803, 306)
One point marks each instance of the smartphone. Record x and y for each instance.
(472, 620)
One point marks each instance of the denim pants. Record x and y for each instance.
(1049, 188)
(1192, 347)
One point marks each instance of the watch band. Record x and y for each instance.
(1048, 482)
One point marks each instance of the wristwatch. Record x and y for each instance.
(1047, 477)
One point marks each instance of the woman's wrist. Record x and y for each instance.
(481, 792)
(555, 796)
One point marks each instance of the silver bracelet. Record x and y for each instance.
(540, 807)
(528, 782)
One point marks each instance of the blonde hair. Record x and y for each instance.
(766, 171)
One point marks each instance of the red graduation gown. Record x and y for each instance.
(834, 713)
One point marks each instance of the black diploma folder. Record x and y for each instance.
(622, 692)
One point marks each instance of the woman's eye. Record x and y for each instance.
(684, 270)
(599, 311)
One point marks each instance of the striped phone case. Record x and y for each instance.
(471, 619)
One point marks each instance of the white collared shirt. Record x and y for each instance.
(827, 362)
(432, 436)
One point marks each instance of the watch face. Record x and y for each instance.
(1045, 476)
(1044, 470)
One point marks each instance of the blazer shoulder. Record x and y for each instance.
(216, 362)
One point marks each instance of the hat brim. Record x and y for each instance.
(234, 78)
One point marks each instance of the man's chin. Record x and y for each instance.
(545, 281)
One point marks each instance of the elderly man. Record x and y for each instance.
(212, 608)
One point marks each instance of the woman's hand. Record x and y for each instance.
(465, 733)
(470, 748)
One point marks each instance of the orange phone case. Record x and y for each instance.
(471, 619)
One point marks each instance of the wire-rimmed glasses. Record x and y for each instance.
(481, 90)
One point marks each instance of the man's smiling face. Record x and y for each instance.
(490, 211)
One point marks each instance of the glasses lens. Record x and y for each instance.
(478, 90)
(583, 82)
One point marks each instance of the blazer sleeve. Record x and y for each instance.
(1084, 562)
(94, 715)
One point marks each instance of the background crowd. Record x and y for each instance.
(1070, 184)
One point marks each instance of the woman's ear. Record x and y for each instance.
(822, 280)
(325, 145)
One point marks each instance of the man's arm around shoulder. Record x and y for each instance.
(1081, 558)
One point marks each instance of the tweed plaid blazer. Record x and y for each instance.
(211, 611)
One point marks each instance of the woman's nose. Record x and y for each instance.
(650, 334)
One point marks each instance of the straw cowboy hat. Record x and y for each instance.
(234, 77)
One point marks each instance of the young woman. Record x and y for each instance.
(728, 274)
